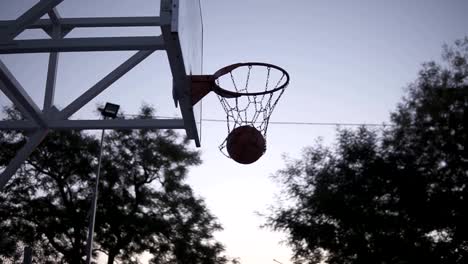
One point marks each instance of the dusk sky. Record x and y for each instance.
(349, 62)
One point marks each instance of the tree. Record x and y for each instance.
(144, 204)
(398, 196)
(47, 202)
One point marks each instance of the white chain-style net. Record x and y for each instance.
(252, 110)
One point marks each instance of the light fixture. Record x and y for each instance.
(110, 110)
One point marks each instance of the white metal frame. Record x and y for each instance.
(40, 121)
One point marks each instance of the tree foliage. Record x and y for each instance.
(394, 196)
(144, 203)
(47, 201)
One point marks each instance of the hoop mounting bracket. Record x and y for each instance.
(201, 86)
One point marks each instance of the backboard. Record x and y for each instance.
(187, 30)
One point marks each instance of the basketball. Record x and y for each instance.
(245, 144)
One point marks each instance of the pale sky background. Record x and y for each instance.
(349, 62)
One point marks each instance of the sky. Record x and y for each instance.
(349, 62)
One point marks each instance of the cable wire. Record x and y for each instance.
(300, 123)
(309, 123)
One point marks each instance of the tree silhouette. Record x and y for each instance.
(398, 196)
(144, 204)
(47, 201)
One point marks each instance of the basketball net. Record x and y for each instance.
(259, 88)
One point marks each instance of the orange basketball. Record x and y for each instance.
(245, 144)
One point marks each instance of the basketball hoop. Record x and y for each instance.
(248, 92)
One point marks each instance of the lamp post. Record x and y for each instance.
(27, 257)
(109, 111)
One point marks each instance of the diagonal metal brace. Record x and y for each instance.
(18, 95)
(30, 16)
(33, 141)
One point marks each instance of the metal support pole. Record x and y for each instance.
(53, 65)
(27, 257)
(93, 206)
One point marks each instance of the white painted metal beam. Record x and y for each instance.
(117, 124)
(56, 33)
(18, 125)
(82, 44)
(50, 82)
(94, 22)
(54, 17)
(96, 124)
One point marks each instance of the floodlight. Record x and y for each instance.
(110, 110)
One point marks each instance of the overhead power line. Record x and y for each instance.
(299, 123)
(307, 123)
